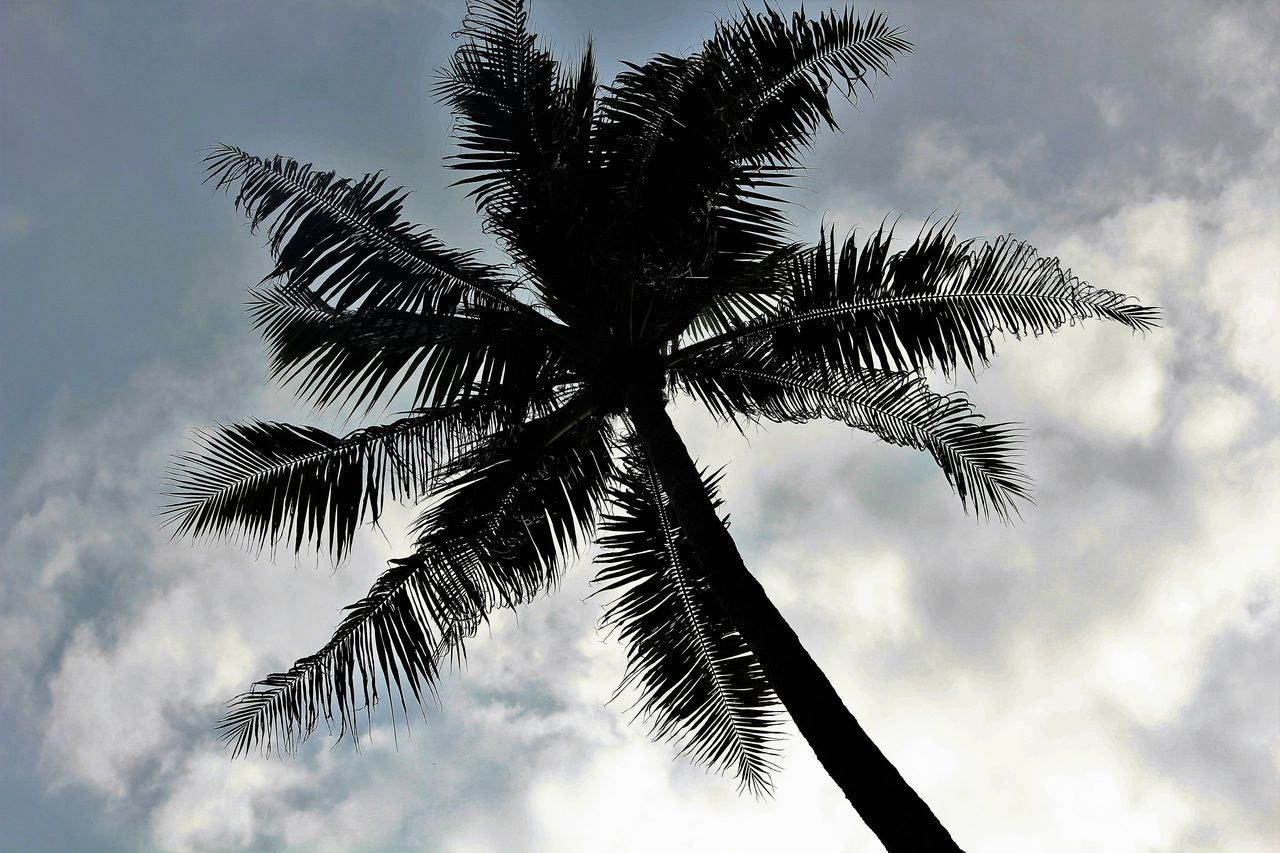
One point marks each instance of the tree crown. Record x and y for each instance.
(648, 251)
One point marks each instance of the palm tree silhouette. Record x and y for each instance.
(648, 259)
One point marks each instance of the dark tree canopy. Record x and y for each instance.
(649, 258)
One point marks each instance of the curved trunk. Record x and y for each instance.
(882, 798)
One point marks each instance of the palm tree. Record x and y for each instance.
(648, 259)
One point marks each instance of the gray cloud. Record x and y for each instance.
(1222, 742)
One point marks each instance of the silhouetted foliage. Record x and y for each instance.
(648, 259)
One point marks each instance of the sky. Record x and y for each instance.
(1100, 676)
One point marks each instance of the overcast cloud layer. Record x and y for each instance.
(1100, 677)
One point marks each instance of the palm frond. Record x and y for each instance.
(678, 200)
(344, 240)
(525, 497)
(693, 148)
(978, 459)
(358, 357)
(937, 303)
(640, 110)
(740, 287)
(739, 281)
(500, 540)
(701, 686)
(413, 621)
(272, 482)
(523, 125)
(500, 86)
(779, 74)
(755, 93)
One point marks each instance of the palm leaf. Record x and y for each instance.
(271, 482)
(693, 148)
(524, 497)
(780, 74)
(522, 123)
(978, 459)
(357, 357)
(740, 287)
(756, 91)
(937, 303)
(345, 241)
(413, 620)
(504, 538)
(701, 685)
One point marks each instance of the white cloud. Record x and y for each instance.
(963, 177)
(536, 761)
(1241, 282)
(1215, 421)
(634, 799)
(115, 707)
(213, 805)
(1096, 377)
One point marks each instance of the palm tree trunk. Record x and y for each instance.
(882, 798)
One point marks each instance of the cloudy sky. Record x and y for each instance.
(1101, 676)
